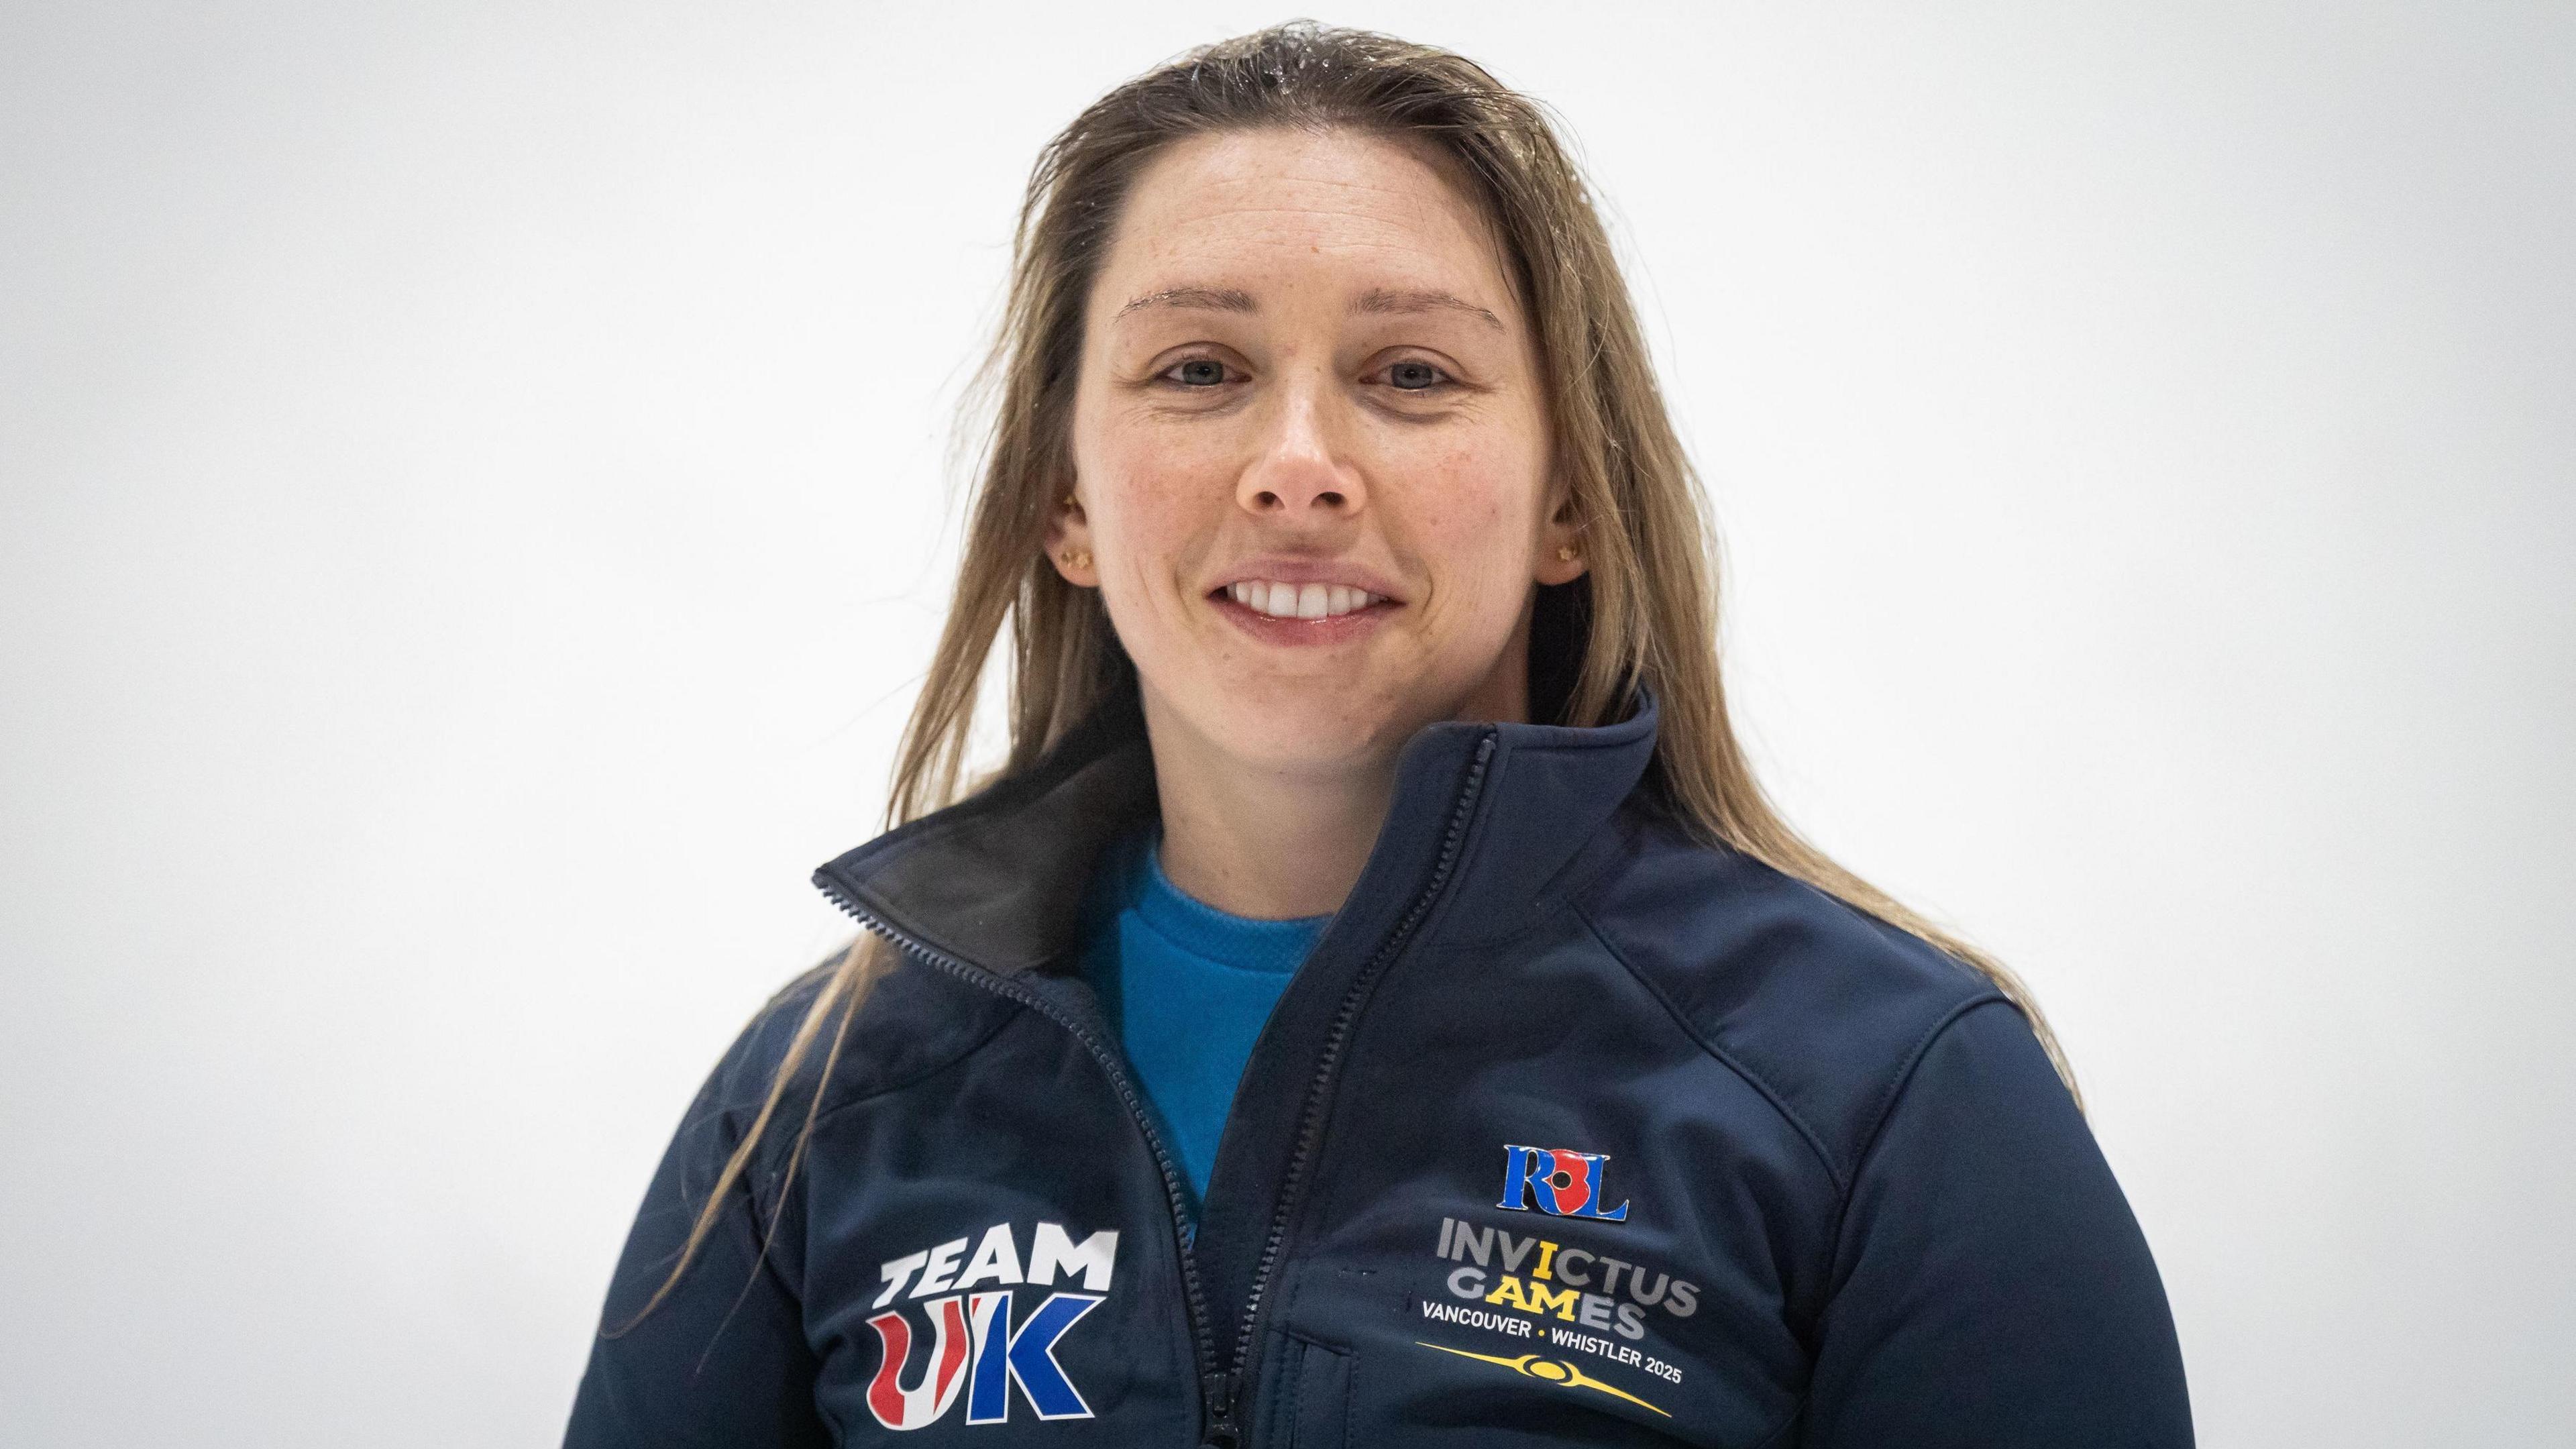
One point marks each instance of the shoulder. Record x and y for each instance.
(1822, 1007)
(842, 1042)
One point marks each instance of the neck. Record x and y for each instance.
(1274, 845)
(1278, 843)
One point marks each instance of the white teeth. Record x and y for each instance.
(1299, 601)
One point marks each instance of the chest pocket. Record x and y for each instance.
(1314, 1403)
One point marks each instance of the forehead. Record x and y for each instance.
(1237, 209)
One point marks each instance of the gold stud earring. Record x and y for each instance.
(1565, 553)
(1069, 503)
(1077, 558)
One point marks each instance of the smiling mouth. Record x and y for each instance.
(1275, 600)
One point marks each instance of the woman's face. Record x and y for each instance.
(1311, 452)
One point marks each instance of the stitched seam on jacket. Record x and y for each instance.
(1815, 1141)
(1554, 897)
(1895, 1089)
(762, 1229)
(736, 1118)
(1504, 755)
(1009, 1018)
(1903, 1076)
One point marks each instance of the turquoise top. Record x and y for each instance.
(1188, 988)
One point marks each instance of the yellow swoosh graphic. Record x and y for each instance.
(1554, 1371)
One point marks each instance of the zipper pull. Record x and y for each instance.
(1218, 1390)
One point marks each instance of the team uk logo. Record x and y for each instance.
(979, 1348)
(1557, 1181)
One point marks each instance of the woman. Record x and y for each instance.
(1374, 1004)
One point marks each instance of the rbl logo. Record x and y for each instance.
(1557, 1181)
(976, 1346)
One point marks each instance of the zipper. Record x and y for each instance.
(1219, 1389)
(1310, 1117)
(1202, 1337)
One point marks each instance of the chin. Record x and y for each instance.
(1317, 729)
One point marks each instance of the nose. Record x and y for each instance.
(1301, 473)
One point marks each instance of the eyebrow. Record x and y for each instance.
(1383, 301)
(1379, 301)
(1204, 299)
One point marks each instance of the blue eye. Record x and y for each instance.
(1414, 376)
(1198, 372)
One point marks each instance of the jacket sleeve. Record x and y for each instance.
(723, 1360)
(1991, 1286)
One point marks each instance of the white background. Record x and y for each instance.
(472, 511)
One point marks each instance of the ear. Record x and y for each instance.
(1560, 557)
(1068, 542)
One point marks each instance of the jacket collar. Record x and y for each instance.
(997, 880)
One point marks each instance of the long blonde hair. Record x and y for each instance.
(1644, 615)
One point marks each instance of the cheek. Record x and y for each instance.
(1147, 500)
(1152, 508)
(1477, 517)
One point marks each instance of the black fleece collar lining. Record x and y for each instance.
(997, 879)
